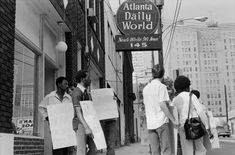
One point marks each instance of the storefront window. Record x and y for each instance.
(24, 89)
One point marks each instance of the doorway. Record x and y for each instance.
(50, 76)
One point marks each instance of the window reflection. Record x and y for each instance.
(23, 102)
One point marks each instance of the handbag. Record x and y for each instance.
(194, 128)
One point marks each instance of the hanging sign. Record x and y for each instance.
(138, 42)
(138, 21)
(137, 17)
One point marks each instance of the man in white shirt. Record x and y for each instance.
(156, 102)
(59, 96)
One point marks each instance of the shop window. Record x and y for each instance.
(24, 89)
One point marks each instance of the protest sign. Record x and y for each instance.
(174, 131)
(6, 144)
(104, 103)
(60, 120)
(24, 125)
(93, 122)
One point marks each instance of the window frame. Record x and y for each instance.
(38, 53)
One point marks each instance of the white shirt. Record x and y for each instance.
(51, 99)
(181, 102)
(154, 93)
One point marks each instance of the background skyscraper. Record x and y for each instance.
(207, 56)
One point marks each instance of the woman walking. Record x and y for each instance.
(181, 102)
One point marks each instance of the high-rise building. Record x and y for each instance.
(142, 62)
(207, 56)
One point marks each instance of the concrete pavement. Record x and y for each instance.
(227, 148)
(132, 149)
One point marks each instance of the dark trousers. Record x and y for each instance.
(110, 130)
(62, 151)
(91, 146)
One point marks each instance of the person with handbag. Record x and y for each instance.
(192, 118)
(210, 138)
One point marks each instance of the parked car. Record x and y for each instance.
(223, 131)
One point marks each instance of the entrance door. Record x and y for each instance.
(50, 75)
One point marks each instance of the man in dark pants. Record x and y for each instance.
(83, 131)
(58, 96)
(110, 130)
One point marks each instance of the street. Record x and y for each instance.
(227, 148)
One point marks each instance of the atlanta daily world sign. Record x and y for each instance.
(138, 21)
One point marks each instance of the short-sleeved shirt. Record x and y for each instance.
(181, 102)
(51, 99)
(154, 93)
(79, 94)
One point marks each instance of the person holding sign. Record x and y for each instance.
(83, 131)
(105, 104)
(58, 96)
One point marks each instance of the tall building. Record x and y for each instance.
(207, 56)
(142, 62)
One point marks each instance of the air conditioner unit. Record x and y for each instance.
(90, 12)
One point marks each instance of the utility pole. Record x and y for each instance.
(226, 103)
(159, 4)
(153, 59)
(160, 52)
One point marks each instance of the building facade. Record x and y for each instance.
(206, 56)
(88, 40)
(30, 33)
(142, 63)
(31, 59)
(113, 69)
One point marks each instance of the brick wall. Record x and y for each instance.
(71, 40)
(28, 146)
(7, 33)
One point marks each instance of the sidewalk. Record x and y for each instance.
(132, 149)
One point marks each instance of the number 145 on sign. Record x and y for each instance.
(143, 44)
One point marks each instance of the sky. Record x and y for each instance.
(221, 11)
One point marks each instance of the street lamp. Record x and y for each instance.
(200, 19)
(61, 46)
(181, 21)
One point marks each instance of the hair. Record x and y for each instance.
(196, 92)
(59, 80)
(81, 74)
(158, 71)
(181, 83)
